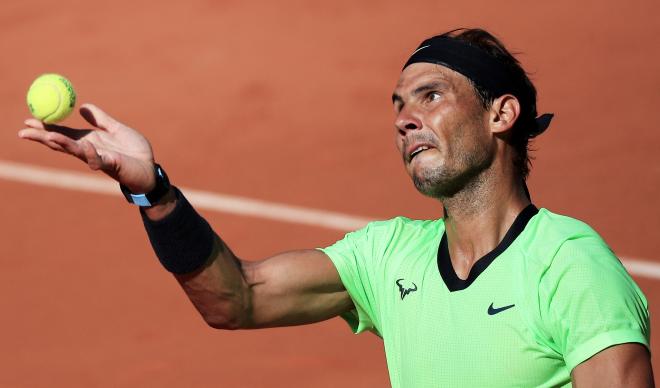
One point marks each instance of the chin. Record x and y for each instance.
(439, 182)
(434, 178)
(435, 189)
(435, 183)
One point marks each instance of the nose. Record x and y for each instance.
(406, 120)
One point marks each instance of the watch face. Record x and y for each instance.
(148, 199)
(161, 172)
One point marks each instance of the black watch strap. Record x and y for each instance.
(149, 199)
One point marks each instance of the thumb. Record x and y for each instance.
(98, 118)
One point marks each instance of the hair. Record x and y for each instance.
(525, 126)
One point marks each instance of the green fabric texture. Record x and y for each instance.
(572, 298)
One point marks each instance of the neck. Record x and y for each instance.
(478, 217)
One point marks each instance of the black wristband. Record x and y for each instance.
(183, 240)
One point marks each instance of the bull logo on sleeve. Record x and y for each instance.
(406, 287)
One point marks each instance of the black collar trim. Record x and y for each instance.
(452, 281)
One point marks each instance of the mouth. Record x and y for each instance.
(416, 150)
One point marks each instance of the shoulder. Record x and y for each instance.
(398, 227)
(552, 227)
(571, 275)
(572, 262)
(379, 240)
(552, 239)
(402, 223)
(565, 259)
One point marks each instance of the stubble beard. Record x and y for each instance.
(442, 182)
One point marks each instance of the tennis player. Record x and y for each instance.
(496, 293)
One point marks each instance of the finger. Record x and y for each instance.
(109, 161)
(67, 144)
(91, 156)
(34, 123)
(30, 133)
(34, 134)
(98, 118)
(72, 133)
(39, 136)
(83, 149)
(54, 140)
(54, 146)
(109, 158)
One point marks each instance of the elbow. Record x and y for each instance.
(224, 324)
(230, 315)
(222, 306)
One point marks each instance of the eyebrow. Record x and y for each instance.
(433, 85)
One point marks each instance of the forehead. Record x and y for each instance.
(422, 73)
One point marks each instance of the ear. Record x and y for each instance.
(503, 113)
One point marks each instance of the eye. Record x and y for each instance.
(433, 96)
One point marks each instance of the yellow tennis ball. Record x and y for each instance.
(51, 98)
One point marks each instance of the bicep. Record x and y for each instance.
(625, 365)
(294, 288)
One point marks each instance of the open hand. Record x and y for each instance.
(110, 146)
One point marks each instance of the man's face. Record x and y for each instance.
(442, 130)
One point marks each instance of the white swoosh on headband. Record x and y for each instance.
(421, 48)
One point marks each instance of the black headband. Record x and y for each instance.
(483, 69)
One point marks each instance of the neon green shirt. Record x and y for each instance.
(551, 295)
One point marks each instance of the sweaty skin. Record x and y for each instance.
(465, 162)
(468, 165)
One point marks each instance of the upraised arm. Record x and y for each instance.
(291, 288)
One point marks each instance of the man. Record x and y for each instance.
(496, 293)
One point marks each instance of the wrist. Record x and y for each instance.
(159, 189)
(163, 207)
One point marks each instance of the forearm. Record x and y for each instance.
(290, 288)
(206, 268)
(219, 291)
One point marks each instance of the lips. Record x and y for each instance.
(416, 149)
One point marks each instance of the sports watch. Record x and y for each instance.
(149, 199)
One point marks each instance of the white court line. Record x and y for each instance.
(76, 181)
(100, 184)
(643, 268)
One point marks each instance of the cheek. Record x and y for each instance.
(465, 132)
(445, 132)
(472, 146)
